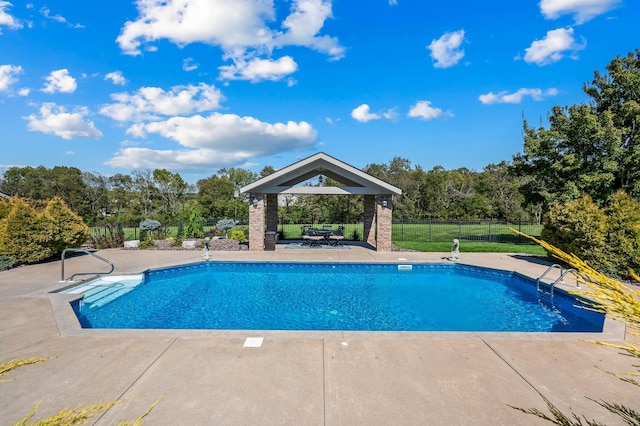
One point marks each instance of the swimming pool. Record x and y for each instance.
(323, 296)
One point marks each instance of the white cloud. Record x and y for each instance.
(60, 81)
(227, 23)
(56, 120)
(57, 17)
(582, 10)
(24, 91)
(391, 114)
(216, 139)
(6, 19)
(8, 74)
(516, 97)
(116, 78)
(241, 28)
(197, 159)
(446, 51)
(303, 25)
(234, 133)
(424, 110)
(148, 103)
(393, 2)
(188, 65)
(47, 14)
(363, 114)
(553, 47)
(259, 69)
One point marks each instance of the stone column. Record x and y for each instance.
(272, 212)
(384, 209)
(256, 222)
(369, 233)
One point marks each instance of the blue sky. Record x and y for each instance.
(193, 86)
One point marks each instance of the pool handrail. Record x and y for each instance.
(73, 249)
(559, 280)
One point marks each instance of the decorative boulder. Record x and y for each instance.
(132, 244)
(189, 244)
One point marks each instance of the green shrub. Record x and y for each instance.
(148, 229)
(623, 232)
(607, 238)
(239, 235)
(578, 227)
(113, 238)
(7, 262)
(29, 235)
(62, 227)
(149, 225)
(225, 224)
(147, 244)
(21, 233)
(195, 225)
(5, 208)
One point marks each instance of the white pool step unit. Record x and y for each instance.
(102, 290)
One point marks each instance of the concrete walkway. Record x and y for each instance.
(297, 378)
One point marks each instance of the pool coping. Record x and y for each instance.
(69, 325)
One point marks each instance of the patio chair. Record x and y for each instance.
(336, 239)
(312, 238)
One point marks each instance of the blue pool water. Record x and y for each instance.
(301, 296)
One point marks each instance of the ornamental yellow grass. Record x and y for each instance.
(68, 416)
(5, 367)
(619, 301)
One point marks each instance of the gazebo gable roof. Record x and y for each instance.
(355, 181)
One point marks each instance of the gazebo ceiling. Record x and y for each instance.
(355, 181)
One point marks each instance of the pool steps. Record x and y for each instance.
(101, 291)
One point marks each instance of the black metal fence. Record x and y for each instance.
(486, 230)
(403, 229)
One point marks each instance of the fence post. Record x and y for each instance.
(402, 229)
(519, 230)
(460, 229)
(490, 229)
(429, 229)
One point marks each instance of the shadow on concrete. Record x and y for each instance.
(538, 260)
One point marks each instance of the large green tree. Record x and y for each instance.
(216, 197)
(40, 183)
(170, 192)
(96, 188)
(618, 92)
(591, 148)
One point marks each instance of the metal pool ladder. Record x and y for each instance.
(563, 272)
(64, 252)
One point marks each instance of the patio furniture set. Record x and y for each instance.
(317, 236)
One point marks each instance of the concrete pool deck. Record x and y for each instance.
(301, 378)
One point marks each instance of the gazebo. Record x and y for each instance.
(378, 197)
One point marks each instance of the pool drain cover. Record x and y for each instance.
(253, 342)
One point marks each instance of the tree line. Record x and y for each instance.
(165, 196)
(587, 149)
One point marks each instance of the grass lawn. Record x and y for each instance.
(484, 237)
(472, 247)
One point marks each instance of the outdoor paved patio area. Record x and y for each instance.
(298, 378)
